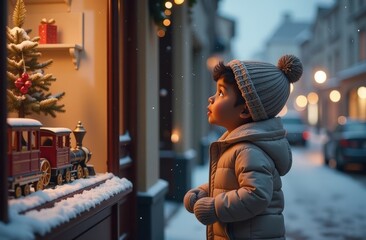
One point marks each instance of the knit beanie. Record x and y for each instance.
(265, 87)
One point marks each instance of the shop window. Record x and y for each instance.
(357, 105)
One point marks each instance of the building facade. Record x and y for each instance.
(336, 45)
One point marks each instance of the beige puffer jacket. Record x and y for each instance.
(245, 170)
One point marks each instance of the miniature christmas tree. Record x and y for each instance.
(28, 86)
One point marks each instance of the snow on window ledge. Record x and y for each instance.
(32, 222)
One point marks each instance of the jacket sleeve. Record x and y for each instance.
(253, 171)
(204, 187)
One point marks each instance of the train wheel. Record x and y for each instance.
(17, 192)
(46, 172)
(59, 179)
(68, 176)
(26, 190)
(86, 172)
(39, 185)
(79, 172)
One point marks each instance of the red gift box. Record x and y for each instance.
(47, 33)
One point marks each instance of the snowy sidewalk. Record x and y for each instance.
(184, 225)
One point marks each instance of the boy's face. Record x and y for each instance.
(222, 110)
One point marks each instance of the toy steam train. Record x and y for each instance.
(39, 155)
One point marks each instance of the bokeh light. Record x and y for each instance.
(174, 137)
(168, 5)
(301, 101)
(361, 92)
(166, 22)
(313, 98)
(335, 96)
(342, 120)
(178, 2)
(320, 76)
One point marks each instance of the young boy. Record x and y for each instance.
(243, 198)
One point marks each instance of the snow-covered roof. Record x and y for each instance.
(288, 31)
(56, 129)
(23, 122)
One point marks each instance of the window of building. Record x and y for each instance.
(351, 47)
(357, 105)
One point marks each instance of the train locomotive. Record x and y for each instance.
(40, 155)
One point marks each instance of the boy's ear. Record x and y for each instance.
(245, 112)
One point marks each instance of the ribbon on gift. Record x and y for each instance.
(50, 21)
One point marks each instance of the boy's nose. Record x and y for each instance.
(210, 99)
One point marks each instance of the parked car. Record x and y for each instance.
(297, 132)
(346, 144)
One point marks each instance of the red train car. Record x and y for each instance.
(40, 155)
(55, 154)
(24, 156)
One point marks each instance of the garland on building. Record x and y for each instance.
(160, 11)
(28, 85)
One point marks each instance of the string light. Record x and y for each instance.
(161, 33)
(168, 5)
(161, 12)
(166, 22)
(168, 12)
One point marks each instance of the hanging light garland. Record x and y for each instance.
(161, 11)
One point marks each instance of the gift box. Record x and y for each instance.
(47, 32)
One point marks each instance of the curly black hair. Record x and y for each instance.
(225, 72)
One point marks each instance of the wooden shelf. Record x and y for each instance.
(67, 2)
(70, 32)
(74, 50)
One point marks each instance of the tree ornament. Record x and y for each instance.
(28, 84)
(24, 89)
(25, 76)
(19, 83)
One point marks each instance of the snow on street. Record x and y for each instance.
(320, 202)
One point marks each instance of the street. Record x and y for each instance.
(323, 203)
(320, 203)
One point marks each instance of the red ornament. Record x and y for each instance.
(19, 83)
(28, 84)
(25, 77)
(24, 89)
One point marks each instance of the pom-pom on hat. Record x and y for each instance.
(265, 87)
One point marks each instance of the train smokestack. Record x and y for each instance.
(79, 133)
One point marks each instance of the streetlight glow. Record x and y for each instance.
(178, 2)
(361, 92)
(174, 137)
(320, 76)
(335, 96)
(313, 98)
(301, 101)
(168, 5)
